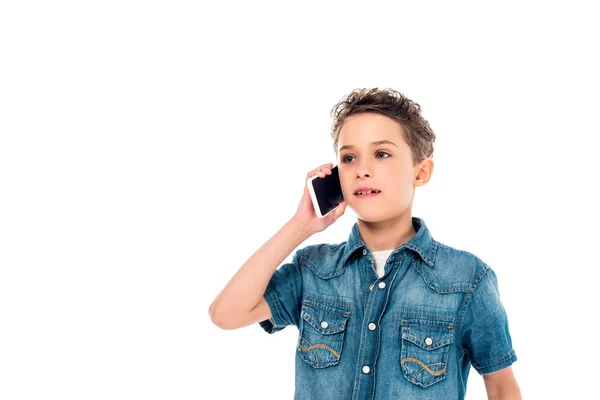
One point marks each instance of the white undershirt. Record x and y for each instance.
(380, 258)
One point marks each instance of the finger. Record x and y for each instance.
(321, 171)
(339, 211)
(312, 173)
(325, 166)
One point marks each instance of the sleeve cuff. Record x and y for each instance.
(496, 364)
(275, 323)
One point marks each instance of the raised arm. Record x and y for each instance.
(241, 302)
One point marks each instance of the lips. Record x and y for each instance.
(366, 191)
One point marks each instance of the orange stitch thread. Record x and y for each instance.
(405, 360)
(323, 346)
(316, 355)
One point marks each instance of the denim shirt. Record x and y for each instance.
(411, 334)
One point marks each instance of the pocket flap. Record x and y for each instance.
(324, 318)
(429, 329)
(428, 336)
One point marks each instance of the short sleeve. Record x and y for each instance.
(283, 295)
(485, 334)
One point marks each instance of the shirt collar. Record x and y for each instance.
(422, 242)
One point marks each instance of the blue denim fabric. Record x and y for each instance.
(411, 334)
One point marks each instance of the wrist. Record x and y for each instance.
(303, 227)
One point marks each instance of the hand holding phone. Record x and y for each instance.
(316, 221)
(325, 193)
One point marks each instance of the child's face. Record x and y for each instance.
(389, 166)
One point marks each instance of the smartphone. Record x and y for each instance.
(326, 193)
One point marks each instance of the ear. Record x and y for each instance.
(423, 172)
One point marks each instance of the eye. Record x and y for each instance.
(382, 152)
(345, 159)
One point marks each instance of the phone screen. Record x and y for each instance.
(328, 191)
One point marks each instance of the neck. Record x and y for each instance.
(388, 234)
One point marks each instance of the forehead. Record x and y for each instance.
(361, 129)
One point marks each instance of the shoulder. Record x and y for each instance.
(324, 260)
(454, 270)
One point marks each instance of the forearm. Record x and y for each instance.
(507, 396)
(511, 393)
(246, 288)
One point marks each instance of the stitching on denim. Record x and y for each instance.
(441, 289)
(444, 289)
(349, 253)
(422, 313)
(434, 345)
(365, 332)
(450, 289)
(392, 280)
(496, 360)
(413, 339)
(428, 258)
(337, 270)
(410, 359)
(342, 314)
(319, 345)
(275, 301)
(316, 356)
(402, 323)
(339, 307)
(466, 302)
(433, 251)
(317, 297)
(399, 322)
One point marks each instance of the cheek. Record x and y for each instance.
(346, 184)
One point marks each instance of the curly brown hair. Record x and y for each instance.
(417, 132)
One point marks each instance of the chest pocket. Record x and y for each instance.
(322, 332)
(426, 340)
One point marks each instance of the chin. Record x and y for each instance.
(372, 215)
(376, 214)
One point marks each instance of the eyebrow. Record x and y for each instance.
(376, 143)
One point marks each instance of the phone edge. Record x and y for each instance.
(313, 196)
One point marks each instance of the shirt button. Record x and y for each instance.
(324, 324)
(428, 341)
(364, 252)
(372, 326)
(381, 285)
(366, 369)
(371, 287)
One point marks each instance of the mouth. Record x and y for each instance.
(366, 193)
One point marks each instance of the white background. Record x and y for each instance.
(147, 149)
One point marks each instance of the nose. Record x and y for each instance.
(363, 171)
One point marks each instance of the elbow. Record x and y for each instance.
(218, 320)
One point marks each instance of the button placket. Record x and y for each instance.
(376, 302)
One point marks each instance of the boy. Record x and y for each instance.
(390, 313)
